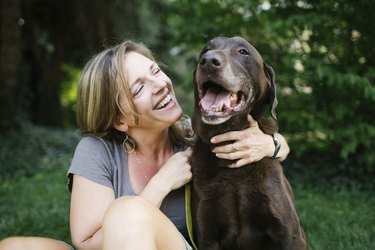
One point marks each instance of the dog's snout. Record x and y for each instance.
(211, 61)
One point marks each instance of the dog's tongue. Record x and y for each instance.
(215, 98)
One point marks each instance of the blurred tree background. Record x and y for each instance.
(322, 52)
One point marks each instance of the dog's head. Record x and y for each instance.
(231, 80)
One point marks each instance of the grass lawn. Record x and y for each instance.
(36, 201)
(337, 220)
(38, 205)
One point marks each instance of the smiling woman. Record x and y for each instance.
(151, 92)
(137, 154)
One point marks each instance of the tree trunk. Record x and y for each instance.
(49, 107)
(9, 60)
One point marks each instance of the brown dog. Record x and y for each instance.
(250, 207)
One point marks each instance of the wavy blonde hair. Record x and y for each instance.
(97, 96)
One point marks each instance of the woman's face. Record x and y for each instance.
(152, 93)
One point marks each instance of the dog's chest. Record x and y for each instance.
(212, 177)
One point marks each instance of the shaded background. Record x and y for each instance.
(322, 52)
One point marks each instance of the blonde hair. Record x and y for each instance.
(97, 96)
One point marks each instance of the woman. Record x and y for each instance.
(128, 172)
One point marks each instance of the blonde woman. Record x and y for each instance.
(128, 172)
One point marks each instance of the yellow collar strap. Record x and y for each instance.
(189, 222)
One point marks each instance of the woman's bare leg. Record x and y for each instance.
(32, 243)
(134, 223)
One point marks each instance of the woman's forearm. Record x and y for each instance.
(155, 192)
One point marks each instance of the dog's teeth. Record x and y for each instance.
(233, 99)
(216, 109)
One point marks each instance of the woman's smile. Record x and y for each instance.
(165, 102)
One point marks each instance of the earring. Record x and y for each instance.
(131, 143)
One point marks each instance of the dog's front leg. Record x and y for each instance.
(229, 221)
(207, 232)
(218, 217)
(286, 227)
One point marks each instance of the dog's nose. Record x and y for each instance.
(209, 61)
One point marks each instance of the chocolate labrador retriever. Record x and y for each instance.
(250, 207)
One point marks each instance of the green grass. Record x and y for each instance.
(38, 206)
(34, 199)
(337, 220)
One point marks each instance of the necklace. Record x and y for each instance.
(164, 209)
(141, 167)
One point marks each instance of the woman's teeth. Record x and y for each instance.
(164, 102)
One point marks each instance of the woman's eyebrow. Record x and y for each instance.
(152, 66)
(135, 82)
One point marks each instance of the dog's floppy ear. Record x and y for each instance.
(270, 76)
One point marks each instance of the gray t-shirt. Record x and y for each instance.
(105, 162)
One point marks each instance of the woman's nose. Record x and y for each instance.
(159, 84)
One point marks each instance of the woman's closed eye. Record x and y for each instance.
(139, 83)
(156, 71)
(138, 90)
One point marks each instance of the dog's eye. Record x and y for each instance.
(205, 50)
(244, 52)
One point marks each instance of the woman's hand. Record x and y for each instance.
(176, 172)
(250, 145)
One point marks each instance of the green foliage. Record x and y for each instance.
(323, 56)
(333, 48)
(22, 153)
(322, 53)
(68, 94)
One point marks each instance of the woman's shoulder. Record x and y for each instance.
(94, 160)
(95, 144)
(89, 143)
(90, 140)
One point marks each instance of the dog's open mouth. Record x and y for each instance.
(219, 104)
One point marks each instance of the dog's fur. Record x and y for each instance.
(250, 207)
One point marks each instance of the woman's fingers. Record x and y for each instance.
(252, 122)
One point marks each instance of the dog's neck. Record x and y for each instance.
(206, 131)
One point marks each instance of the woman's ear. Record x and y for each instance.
(120, 124)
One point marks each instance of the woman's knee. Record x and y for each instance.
(11, 243)
(126, 220)
(32, 243)
(129, 210)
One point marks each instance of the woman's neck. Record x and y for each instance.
(155, 146)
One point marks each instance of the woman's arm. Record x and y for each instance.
(250, 145)
(175, 173)
(89, 202)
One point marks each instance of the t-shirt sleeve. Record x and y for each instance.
(92, 160)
